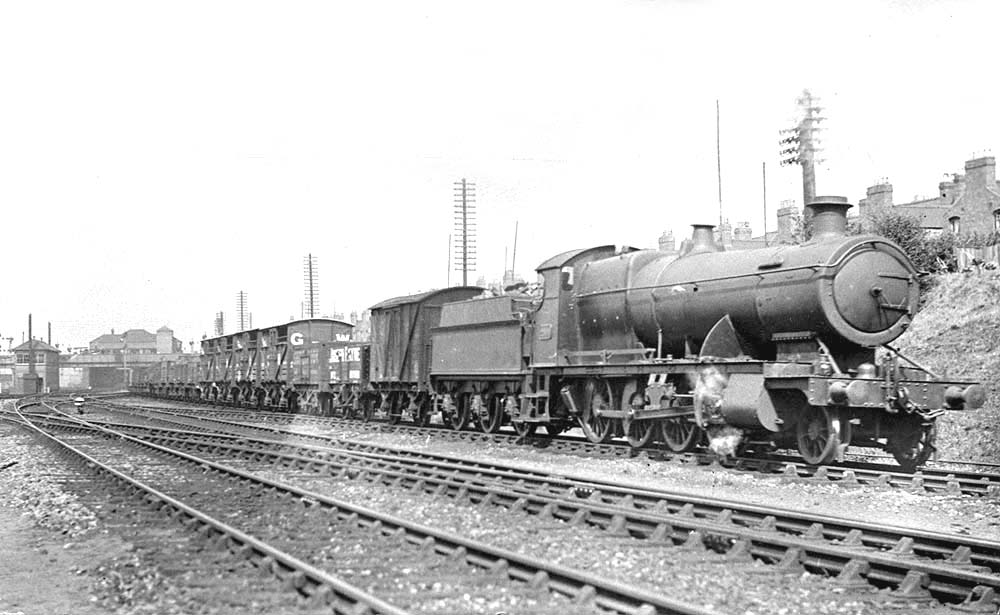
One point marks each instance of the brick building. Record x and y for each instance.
(968, 203)
(137, 341)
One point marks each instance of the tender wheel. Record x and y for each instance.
(912, 442)
(597, 398)
(490, 416)
(818, 435)
(459, 418)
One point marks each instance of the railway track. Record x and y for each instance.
(331, 551)
(915, 565)
(983, 482)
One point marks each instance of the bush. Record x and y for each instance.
(929, 253)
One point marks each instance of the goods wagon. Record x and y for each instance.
(399, 373)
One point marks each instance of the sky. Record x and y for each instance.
(158, 158)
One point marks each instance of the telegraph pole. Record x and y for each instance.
(718, 159)
(763, 171)
(241, 309)
(802, 146)
(465, 228)
(310, 275)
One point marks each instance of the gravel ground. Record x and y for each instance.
(94, 555)
(699, 577)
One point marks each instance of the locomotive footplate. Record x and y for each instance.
(657, 366)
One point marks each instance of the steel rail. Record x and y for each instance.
(946, 481)
(847, 474)
(878, 535)
(282, 564)
(958, 569)
(617, 597)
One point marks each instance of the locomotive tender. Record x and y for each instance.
(785, 346)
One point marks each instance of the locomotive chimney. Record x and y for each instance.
(829, 217)
(702, 241)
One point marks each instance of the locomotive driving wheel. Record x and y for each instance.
(818, 434)
(490, 416)
(638, 432)
(680, 434)
(912, 442)
(459, 418)
(597, 399)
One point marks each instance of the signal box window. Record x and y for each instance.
(954, 224)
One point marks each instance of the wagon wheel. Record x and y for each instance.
(490, 417)
(818, 434)
(367, 408)
(459, 418)
(422, 417)
(912, 442)
(394, 408)
(351, 406)
(308, 403)
(597, 398)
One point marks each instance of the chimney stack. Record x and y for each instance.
(829, 217)
(702, 240)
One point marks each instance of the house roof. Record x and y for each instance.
(132, 336)
(929, 216)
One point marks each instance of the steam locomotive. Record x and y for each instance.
(786, 346)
